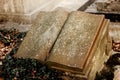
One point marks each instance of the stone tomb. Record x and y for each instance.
(78, 43)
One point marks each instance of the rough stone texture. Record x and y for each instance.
(78, 41)
(42, 35)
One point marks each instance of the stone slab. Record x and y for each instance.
(42, 35)
(74, 47)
